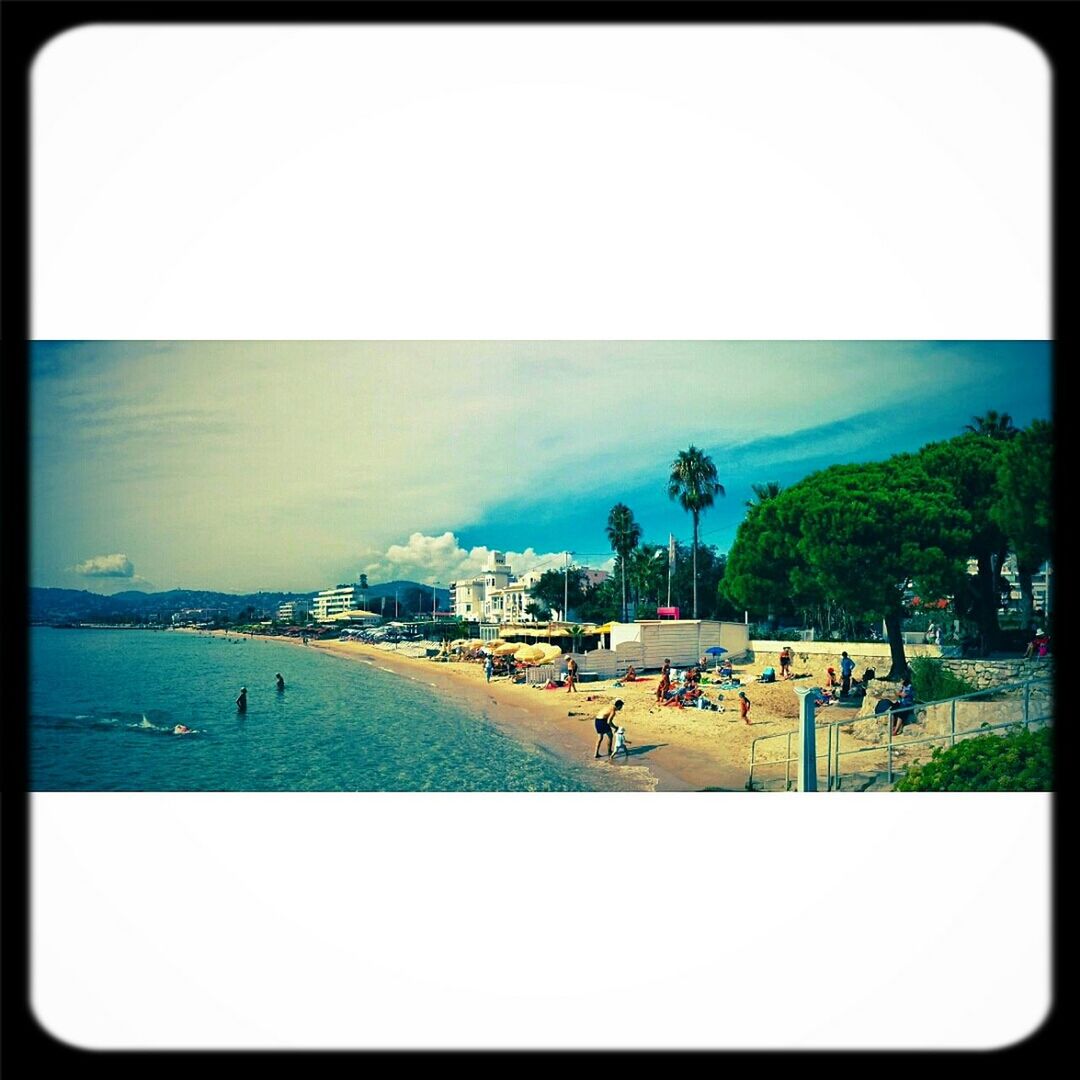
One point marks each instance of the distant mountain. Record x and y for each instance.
(79, 605)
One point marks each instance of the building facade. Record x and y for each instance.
(494, 595)
(335, 601)
(293, 609)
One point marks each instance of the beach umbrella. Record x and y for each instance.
(507, 648)
(475, 643)
(528, 654)
(715, 650)
(458, 641)
(551, 652)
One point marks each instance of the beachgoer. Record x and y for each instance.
(831, 679)
(905, 706)
(664, 687)
(620, 744)
(631, 674)
(489, 667)
(602, 723)
(847, 666)
(768, 674)
(305, 638)
(666, 670)
(744, 706)
(786, 657)
(726, 670)
(280, 682)
(868, 674)
(181, 729)
(241, 701)
(571, 675)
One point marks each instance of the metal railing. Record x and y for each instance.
(833, 751)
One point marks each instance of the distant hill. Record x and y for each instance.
(79, 605)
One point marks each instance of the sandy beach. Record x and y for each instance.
(671, 749)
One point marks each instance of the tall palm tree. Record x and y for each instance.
(764, 492)
(647, 571)
(995, 425)
(694, 483)
(623, 533)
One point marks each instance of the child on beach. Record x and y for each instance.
(744, 706)
(620, 744)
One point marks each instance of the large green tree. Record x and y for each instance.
(555, 585)
(764, 492)
(857, 535)
(623, 533)
(694, 483)
(648, 573)
(969, 464)
(993, 425)
(1022, 504)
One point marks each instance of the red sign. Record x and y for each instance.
(667, 612)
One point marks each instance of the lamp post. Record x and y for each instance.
(566, 584)
(433, 584)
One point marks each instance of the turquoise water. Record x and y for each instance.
(104, 704)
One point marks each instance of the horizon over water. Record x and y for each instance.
(103, 705)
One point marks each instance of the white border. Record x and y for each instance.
(540, 182)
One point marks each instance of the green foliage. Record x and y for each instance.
(623, 533)
(695, 483)
(1022, 502)
(1019, 761)
(933, 681)
(549, 590)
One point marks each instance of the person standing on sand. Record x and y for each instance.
(786, 656)
(665, 685)
(571, 675)
(665, 671)
(847, 666)
(241, 701)
(489, 667)
(744, 706)
(603, 725)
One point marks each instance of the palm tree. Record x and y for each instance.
(994, 425)
(694, 483)
(623, 532)
(647, 571)
(764, 492)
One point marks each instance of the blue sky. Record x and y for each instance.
(296, 465)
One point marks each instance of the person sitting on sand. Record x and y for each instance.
(830, 678)
(620, 744)
(631, 674)
(602, 723)
(726, 670)
(280, 682)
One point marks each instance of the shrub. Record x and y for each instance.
(933, 681)
(1019, 761)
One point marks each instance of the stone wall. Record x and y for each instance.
(983, 674)
(875, 652)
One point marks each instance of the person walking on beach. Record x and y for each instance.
(241, 701)
(603, 725)
(744, 706)
(571, 675)
(620, 744)
(847, 666)
(280, 682)
(489, 667)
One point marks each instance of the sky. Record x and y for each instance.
(294, 466)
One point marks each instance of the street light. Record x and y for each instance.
(433, 584)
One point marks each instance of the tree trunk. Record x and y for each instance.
(1027, 597)
(893, 623)
(695, 564)
(623, 561)
(989, 599)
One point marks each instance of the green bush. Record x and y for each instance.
(933, 681)
(1019, 761)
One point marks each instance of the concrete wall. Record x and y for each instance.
(857, 650)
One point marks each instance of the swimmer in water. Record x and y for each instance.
(181, 729)
(241, 701)
(280, 682)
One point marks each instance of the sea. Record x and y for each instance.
(104, 705)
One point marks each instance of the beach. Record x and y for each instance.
(680, 749)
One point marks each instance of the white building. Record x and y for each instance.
(293, 609)
(335, 601)
(494, 595)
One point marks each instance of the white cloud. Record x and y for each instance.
(442, 558)
(106, 566)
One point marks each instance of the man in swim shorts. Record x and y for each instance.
(603, 725)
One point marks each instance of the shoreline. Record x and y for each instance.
(670, 749)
